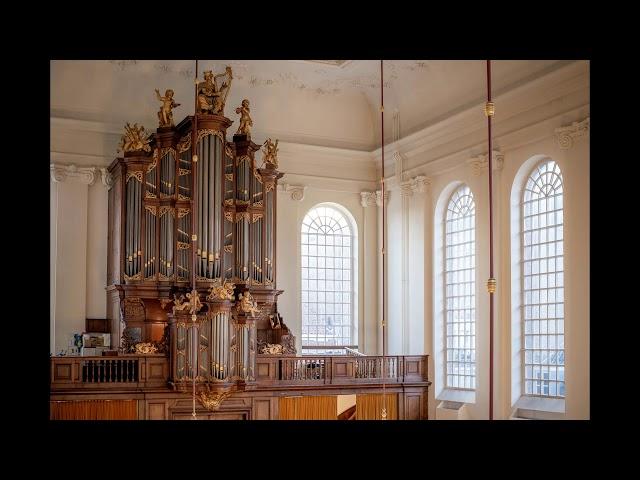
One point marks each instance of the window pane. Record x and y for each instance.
(459, 290)
(543, 339)
(326, 295)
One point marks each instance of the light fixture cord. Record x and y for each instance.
(194, 137)
(489, 112)
(384, 253)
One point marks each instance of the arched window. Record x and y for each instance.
(459, 294)
(543, 283)
(328, 257)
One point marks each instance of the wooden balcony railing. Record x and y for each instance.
(123, 371)
(344, 369)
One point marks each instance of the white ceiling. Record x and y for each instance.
(331, 103)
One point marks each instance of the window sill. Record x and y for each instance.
(463, 396)
(539, 408)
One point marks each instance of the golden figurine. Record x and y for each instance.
(211, 97)
(165, 114)
(247, 304)
(222, 292)
(134, 139)
(245, 120)
(179, 304)
(270, 153)
(145, 348)
(194, 302)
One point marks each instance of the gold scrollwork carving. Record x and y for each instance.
(257, 175)
(182, 212)
(135, 139)
(228, 216)
(228, 248)
(148, 194)
(228, 150)
(229, 202)
(229, 176)
(256, 217)
(166, 150)
(137, 175)
(242, 216)
(165, 277)
(137, 276)
(154, 163)
(212, 400)
(145, 348)
(183, 171)
(183, 246)
(152, 209)
(269, 186)
(185, 143)
(165, 209)
(259, 203)
(208, 131)
(183, 197)
(243, 158)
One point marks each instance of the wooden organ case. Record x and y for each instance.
(157, 187)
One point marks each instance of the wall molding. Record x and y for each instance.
(369, 199)
(84, 175)
(566, 136)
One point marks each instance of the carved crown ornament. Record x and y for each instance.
(212, 400)
(565, 136)
(84, 175)
(480, 163)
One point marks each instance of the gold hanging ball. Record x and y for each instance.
(489, 109)
(491, 285)
(194, 237)
(194, 158)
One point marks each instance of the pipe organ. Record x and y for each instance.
(181, 217)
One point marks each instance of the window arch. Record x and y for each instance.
(328, 277)
(542, 273)
(459, 290)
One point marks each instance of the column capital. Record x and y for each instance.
(296, 192)
(379, 197)
(480, 163)
(417, 184)
(565, 136)
(84, 175)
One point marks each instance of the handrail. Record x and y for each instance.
(353, 353)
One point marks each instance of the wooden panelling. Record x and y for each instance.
(63, 372)
(265, 408)
(413, 406)
(157, 410)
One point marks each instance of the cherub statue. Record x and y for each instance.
(134, 139)
(222, 292)
(247, 304)
(245, 120)
(194, 302)
(165, 114)
(270, 153)
(179, 304)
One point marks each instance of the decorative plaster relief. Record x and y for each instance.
(85, 175)
(565, 136)
(296, 192)
(379, 197)
(480, 163)
(418, 184)
(369, 199)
